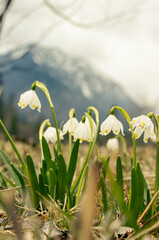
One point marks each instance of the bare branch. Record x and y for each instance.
(8, 3)
(105, 20)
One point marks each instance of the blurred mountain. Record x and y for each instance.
(72, 82)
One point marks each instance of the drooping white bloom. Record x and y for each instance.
(143, 124)
(82, 132)
(51, 136)
(112, 144)
(93, 124)
(70, 126)
(111, 123)
(29, 98)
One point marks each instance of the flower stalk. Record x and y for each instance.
(45, 90)
(127, 117)
(71, 115)
(156, 118)
(41, 130)
(90, 150)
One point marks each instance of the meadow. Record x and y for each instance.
(80, 190)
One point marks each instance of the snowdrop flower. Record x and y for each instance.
(93, 123)
(29, 98)
(112, 144)
(83, 132)
(70, 126)
(111, 123)
(143, 124)
(51, 136)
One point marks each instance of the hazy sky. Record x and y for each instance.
(124, 46)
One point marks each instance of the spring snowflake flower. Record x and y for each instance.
(83, 132)
(112, 144)
(51, 136)
(111, 123)
(70, 126)
(29, 98)
(143, 124)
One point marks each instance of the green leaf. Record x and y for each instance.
(53, 182)
(43, 189)
(33, 181)
(9, 181)
(46, 152)
(104, 195)
(132, 196)
(55, 155)
(44, 171)
(22, 183)
(61, 179)
(72, 164)
(137, 192)
(140, 184)
(2, 181)
(7, 163)
(119, 172)
(105, 165)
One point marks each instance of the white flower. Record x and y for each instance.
(112, 144)
(82, 132)
(29, 98)
(70, 126)
(143, 124)
(51, 136)
(111, 123)
(93, 123)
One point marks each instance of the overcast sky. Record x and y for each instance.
(124, 46)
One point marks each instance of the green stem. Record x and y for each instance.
(157, 168)
(81, 184)
(14, 147)
(57, 130)
(41, 130)
(83, 168)
(70, 146)
(45, 90)
(128, 119)
(134, 148)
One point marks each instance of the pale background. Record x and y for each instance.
(120, 38)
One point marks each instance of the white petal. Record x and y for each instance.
(142, 120)
(117, 126)
(29, 98)
(70, 126)
(25, 98)
(149, 132)
(138, 131)
(82, 132)
(106, 126)
(51, 136)
(35, 102)
(66, 127)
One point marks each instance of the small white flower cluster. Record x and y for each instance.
(82, 130)
(78, 130)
